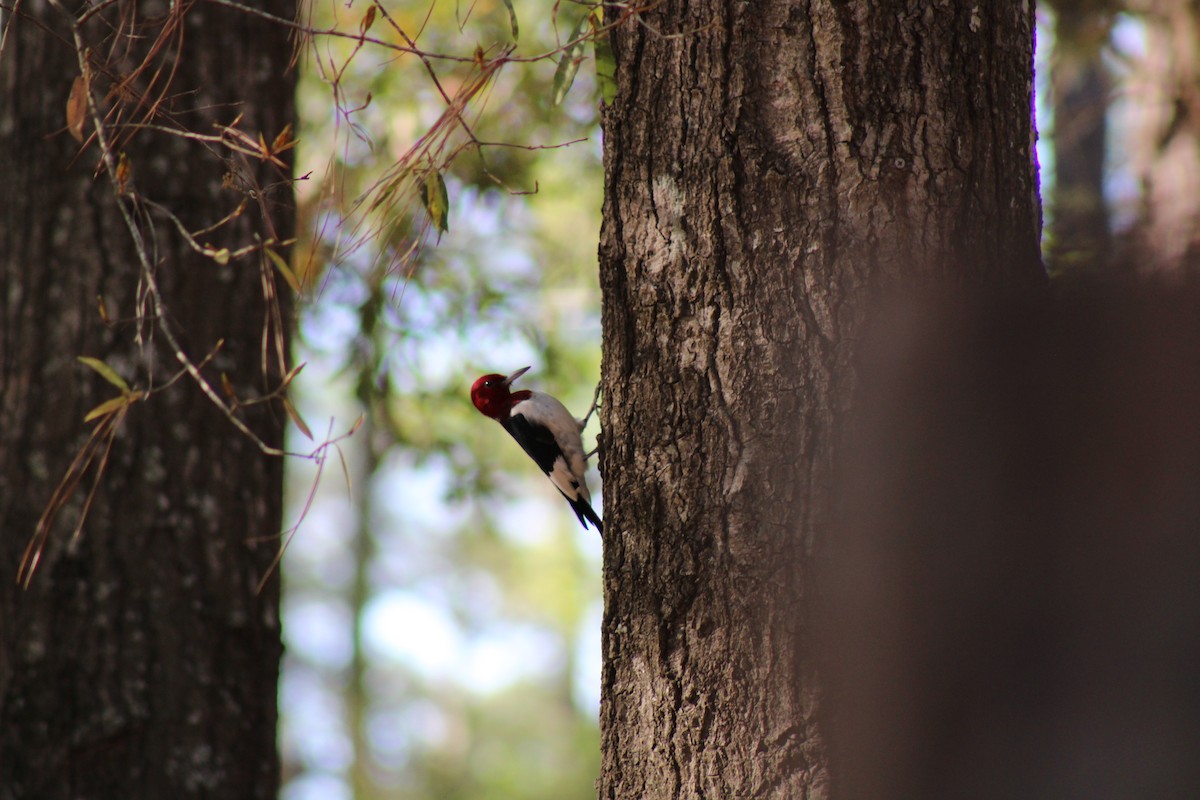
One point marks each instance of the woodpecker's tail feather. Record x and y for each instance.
(586, 514)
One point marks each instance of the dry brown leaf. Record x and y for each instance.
(77, 107)
(124, 171)
(295, 415)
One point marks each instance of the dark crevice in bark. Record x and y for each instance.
(804, 154)
(141, 662)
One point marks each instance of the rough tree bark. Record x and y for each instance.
(763, 165)
(141, 661)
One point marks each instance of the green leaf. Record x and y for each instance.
(512, 18)
(606, 63)
(109, 406)
(568, 65)
(436, 200)
(282, 266)
(106, 372)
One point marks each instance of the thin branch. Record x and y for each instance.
(147, 270)
(12, 19)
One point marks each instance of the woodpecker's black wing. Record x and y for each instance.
(539, 443)
(536, 440)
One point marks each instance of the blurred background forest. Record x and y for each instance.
(442, 607)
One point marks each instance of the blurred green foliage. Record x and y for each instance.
(442, 611)
(442, 606)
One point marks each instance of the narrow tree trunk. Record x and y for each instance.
(357, 695)
(1079, 229)
(141, 662)
(1166, 88)
(764, 164)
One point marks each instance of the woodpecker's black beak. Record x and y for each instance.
(515, 375)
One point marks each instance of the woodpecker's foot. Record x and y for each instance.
(595, 404)
(593, 452)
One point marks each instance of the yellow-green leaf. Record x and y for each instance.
(436, 200)
(512, 19)
(110, 406)
(606, 63)
(284, 269)
(568, 64)
(106, 372)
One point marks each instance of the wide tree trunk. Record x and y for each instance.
(1011, 601)
(141, 661)
(763, 166)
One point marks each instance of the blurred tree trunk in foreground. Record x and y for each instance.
(1014, 605)
(763, 166)
(141, 661)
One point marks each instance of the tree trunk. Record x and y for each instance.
(763, 166)
(141, 661)
(1080, 85)
(1012, 599)
(1166, 88)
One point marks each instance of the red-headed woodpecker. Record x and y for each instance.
(546, 431)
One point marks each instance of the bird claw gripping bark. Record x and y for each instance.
(595, 405)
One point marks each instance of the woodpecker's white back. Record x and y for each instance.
(568, 470)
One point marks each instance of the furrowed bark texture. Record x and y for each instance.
(141, 662)
(764, 163)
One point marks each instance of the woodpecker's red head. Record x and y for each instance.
(492, 396)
